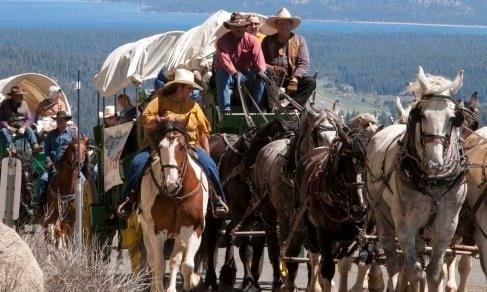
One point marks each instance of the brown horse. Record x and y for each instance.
(327, 183)
(61, 192)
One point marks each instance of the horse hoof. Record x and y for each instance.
(228, 275)
(250, 286)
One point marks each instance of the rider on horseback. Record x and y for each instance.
(54, 146)
(173, 102)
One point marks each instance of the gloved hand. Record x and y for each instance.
(293, 85)
(21, 130)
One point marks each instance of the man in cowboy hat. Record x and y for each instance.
(15, 118)
(55, 145)
(50, 106)
(287, 57)
(238, 55)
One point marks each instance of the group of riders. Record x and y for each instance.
(243, 54)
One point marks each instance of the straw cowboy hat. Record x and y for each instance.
(283, 13)
(62, 115)
(236, 20)
(15, 90)
(108, 112)
(182, 76)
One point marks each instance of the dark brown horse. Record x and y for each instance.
(61, 192)
(235, 171)
(326, 181)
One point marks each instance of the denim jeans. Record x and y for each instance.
(6, 136)
(226, 82)
(141, 161)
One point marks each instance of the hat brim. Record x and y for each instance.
(62, 118)
(17, 93)
(229, 25)
(295, 21)
(174, 82)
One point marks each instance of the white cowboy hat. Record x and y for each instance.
(183, 76)
(108, 112)
(283, 13)
(53, 90)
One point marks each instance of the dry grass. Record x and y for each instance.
(80, 269)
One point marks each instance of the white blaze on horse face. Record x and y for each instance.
(167, 148)
(435, 121)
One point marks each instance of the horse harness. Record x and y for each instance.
(408, 164)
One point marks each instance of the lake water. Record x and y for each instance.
(85, 14)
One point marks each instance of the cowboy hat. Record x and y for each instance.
(108, 112)
(53, 90)
(182, 76)
(283, 14)
(236, 20)
(62, 115)
(15, 90)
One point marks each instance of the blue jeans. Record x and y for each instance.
(42, 185)
(6, 137)
(141, 161)
(225, 83)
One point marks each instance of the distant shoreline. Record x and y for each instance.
(150, 9)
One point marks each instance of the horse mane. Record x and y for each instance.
(433, 84)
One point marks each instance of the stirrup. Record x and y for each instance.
(220, 209)
(125, 209)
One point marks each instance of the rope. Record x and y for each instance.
(248, 118)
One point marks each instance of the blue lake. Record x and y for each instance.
(84, 14)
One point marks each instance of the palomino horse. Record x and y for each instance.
(61, 192)
(416, 179)
(173, 204)
(476, 148)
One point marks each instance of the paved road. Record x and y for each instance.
(477, 281)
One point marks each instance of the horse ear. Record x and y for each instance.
(457, 83)
(423, 81)
(473, 102)
(399, 108)
(341, 133)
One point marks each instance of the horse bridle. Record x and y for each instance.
(181, 172)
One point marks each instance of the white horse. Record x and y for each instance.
(174, 199)
(416, 179)
(452, 262)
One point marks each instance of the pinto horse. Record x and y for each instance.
(61, 192)
(173, 204)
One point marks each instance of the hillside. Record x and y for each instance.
(469, 12)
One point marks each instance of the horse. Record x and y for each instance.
(416, 179)
(235, 169)
(273, 178)
(326, 183)
(173, 204)
(219, 143)
(476, 148)
(464, 228)
(62, 191)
